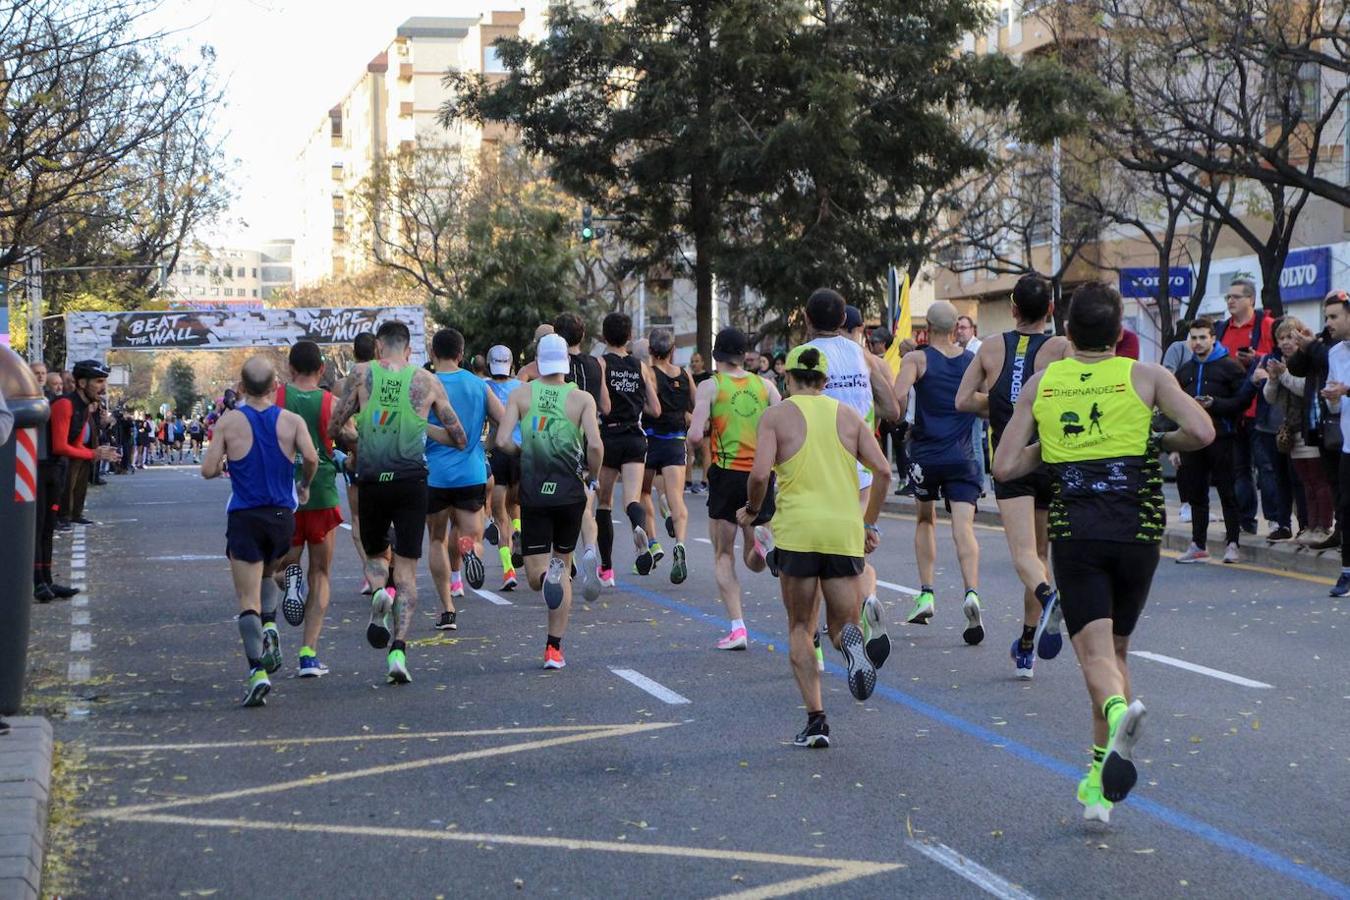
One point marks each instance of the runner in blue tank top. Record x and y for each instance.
(261, 442)
(457, 479)
(942, 462)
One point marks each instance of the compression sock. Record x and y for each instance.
(604, 534)
(270, 594)
(555, 642)
(398, 645)
(250, 630)
(515, 525)
(1028, 636)
(1112, 710)
(1043, 592)
(505, 553)
(637, 516)
(1098, 755)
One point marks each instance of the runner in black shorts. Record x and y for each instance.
(587, 373)
(667, 443)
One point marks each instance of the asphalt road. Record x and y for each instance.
(489, 776)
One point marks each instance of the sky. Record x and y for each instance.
(283, 65)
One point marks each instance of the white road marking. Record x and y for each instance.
(348, 738)
(656, 689)
(970, 870)
(1200, 670)
(186, 557)
(76, 564)
(703, 540)
(346, 525)
(79, 617)
(78, 558)
(79, 601)
(491, 597)
(78, 670)
(897, 587)
(81, 642)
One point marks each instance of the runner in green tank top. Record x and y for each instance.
(554, 417)
(394, 399)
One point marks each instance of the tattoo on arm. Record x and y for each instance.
(348, 403)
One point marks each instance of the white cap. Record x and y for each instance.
(499, 360)
(552, 357)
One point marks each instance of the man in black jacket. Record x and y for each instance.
(1219, 384)
(1321, 429)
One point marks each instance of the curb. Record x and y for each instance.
(1284, 557)
(25, 784)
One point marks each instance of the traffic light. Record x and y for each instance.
(587, 229)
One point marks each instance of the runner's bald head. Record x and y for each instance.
(542, 330)
(258, 376)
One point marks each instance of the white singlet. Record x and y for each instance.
(850, 382)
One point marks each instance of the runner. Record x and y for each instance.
(530, 371)
(862, 381)
(942, 463)
(990, 388)
(261, 441)
(395, 399)
(505, 468)
(667, 436)
(814, 443)
(727, 410)
(1106, 520)
(363, 351)
(457, 479)
(196, 431)
(555, 418)
(631, 393)
(587, 373)
(305, 600)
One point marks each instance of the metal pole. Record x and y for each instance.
(642, 304)
(1055, 210)
(33, 275)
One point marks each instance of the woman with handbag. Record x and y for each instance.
(1286, 392)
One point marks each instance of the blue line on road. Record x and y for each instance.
(1166, 814)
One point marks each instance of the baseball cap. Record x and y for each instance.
(815, 361)
(852, 318)
(499, 360)
(730, 345)
(552, 356)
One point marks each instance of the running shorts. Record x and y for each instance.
(402, 504)
(662, 452)
(1103, 580)
(545, 528)
(505, 468)
(312, 526)
(468, 498)
(956, 482)
(803, 564)
(1039, 485)
(727, 495)
(623, 447)
(262, 534)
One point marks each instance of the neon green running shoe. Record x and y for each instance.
(923, 609)
(1095, 806)
(398, 668)
(271, 655)
(258, 686)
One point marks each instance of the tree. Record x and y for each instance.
(180, 383)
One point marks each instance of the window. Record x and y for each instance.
(215, 292)
(201, 270)
(1295, 95)
(492, 61)
(255, 292)
(229, 271)
(255, 271)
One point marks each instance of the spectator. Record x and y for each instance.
(967, 336)
(1272, 465)
(1179, 351)
(1128, 345)
(1219, 384)
(967, 333)
(1337, 310)
(1322, 429)
(778, 372)
(1286, 390)
(1248, 335)
(72, 430)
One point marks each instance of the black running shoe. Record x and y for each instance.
(517, 558)
(490, 534)
(43, 593)
(670, 525)
(816, 735)
(447, 621)
(473, 565)
(293, 605)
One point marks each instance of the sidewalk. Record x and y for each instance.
(25, 780)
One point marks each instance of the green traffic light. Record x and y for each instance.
(587, 234)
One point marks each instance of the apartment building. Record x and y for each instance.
(1319, 261)
(391, 108)
(216, 278)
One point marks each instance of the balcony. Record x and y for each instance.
(405, 71)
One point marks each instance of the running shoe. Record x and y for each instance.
(815, 736)
(1279, 533)
(974, 632)
(1231, 554)
(1095, 807)
(1024, 659)
(642, 565)
(456, 585)
(875, 639)
(473, 565)
(310, 667)
(553, 586)
(271, 655)
(553, 657)
(366, 589)
(1118, 771)
(862, 675)
(606, 577)
(293, 605)
(1330, 541)
(490, 533)
(509, 580)
(1342, 587)
(257, 687)
(517, 558)
(658, 552)
(398, 668)
(447, 621)
(679, 568)
(737, 639)
(377, 632)
(1048, 640)
(589, 576)
(764, 546)
(1193, 554)
(923, 609)
(820, 654)
(670, 526)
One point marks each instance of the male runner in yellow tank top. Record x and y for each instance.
(814, 443)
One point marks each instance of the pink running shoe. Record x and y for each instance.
(736, 640)
(607, 577)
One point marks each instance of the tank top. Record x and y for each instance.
(810, 517)
(941, 433)
(265, 477)
(583, 370)
(392, 444)
(623, 376)
(736, 408)
(550, 449)
(503, 390)
(315, 407)
(1096, 436)
(676, 395)
(449, 467)
(849, 380)
(1019, 364)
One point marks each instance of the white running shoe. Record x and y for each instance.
(588, 573)
(1193, 554)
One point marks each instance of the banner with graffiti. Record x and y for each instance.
(90, 335)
